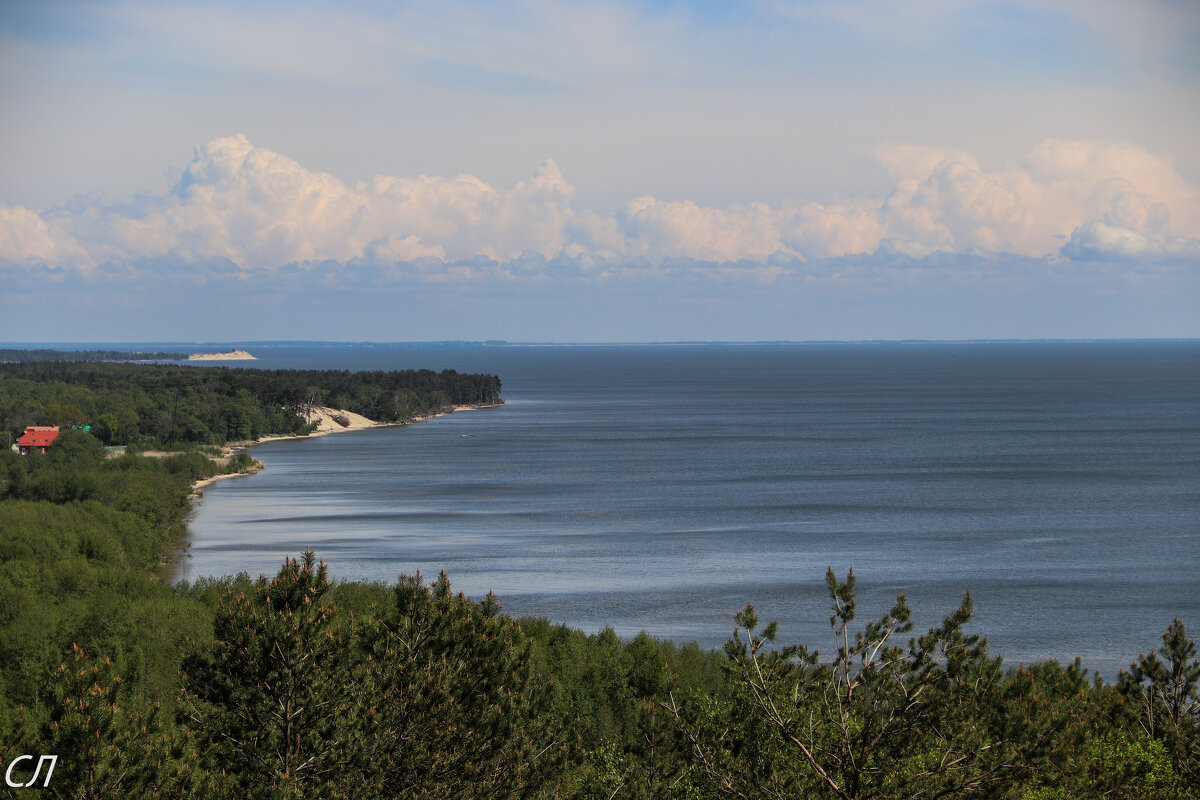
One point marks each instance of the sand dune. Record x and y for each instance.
(330, 420)
(228, 355)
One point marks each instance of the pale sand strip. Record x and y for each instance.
(228, 355)
(357, 422)
(327, 420)
(198, 486)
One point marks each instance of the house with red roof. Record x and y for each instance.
(36, 438)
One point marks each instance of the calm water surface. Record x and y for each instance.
(663, 488)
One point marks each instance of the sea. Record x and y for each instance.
(662, 488)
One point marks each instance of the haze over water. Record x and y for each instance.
(663, 487)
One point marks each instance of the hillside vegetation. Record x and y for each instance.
(154, 407)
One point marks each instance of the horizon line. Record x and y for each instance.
(561, 343)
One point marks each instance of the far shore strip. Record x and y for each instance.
(326, 424)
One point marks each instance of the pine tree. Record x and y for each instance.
(107, 746)
(456, 710)
(271, 701)
(1166, 695)
(879, 719)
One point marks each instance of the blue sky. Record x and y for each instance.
(599, 171)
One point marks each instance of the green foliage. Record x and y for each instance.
(608, 692)
(267, 699)
(13, 354)
(457, 710)
(76, 449)
(155, 405)
(1166, 695)
(242, 462)
(106, 745)
(64, 415)
(1043, 716)
(880, 719)
(435, 698)
(108, 430)
(79, 539)
(1121, 766)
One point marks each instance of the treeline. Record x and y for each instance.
(167, 406)
(9, 355)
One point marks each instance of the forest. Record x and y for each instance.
(153, 407)
(8, 355)
(298, 684)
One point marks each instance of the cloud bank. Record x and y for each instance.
(247, 210)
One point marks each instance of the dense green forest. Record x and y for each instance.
(15, 355)
(169, 406)
(299, 685)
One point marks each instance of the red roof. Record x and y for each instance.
(35, 436)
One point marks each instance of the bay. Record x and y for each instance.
(662, 488)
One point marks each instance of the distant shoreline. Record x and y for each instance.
(131, 347)
(357, 423)
(327, 423)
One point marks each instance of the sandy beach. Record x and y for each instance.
(329, 420)
(198, 486)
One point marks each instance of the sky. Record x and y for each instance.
(599, 171)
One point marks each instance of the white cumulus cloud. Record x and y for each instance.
(259, 209)
(250, 207)
(1028, 208)
(26, 238)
